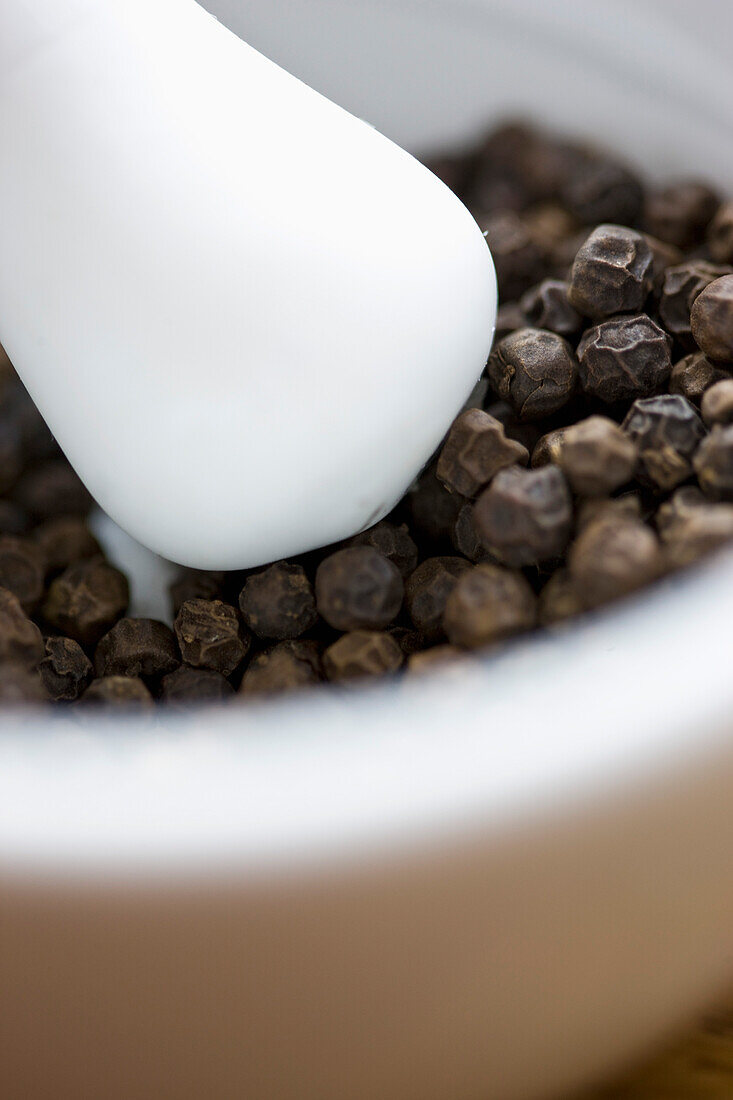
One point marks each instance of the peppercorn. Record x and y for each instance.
(720, 235)
(611, 559)
(358, 588)
(278, 603)
(408, 639)
(465, 537)
(627, 506)
(712, 319)
(664, 255)
(521, 431)
(547, 306)
(52, 489)
(439, 656)
(690, 528)
(679, 506)
(427, 590)
(13, 520)
(188, 685)
(717, 403)
(22, 570)
(475, 450)
(518, 259)
(143, 648)
(667, 430)
(612, 273)
(118, 691)
(559, 599)
(21, 642)
(680, 289)
(286, 667)
(597, 456)
(393, 542)
(361, 654)
(210, 636)
(624, 358)
(64, 540)
(681, 212)
(525, 516)
(693, 375)
(535, 371)
(433, 509)
(548, 448)
(86, 600)
(20, 685)
(196, 584)
(488, 603)
(66, 671)
(713, 463)
(603, 190)
(549, 224)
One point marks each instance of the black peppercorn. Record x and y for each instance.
(627, 506)
(465, 537)
(690, 526)
(52, 489)
(194, 685)
(603, 190)
(713, 463)
(712, 320)
(693, 375)
(612, 273)
(525, 516)
(118, 691)
(720, 235)
(717, 403)
(86, 600)
(433, 509)
(535, 371)
(393, 542)
(427, 590)
(612, 558)
(362, 654)
(22, 570)
(548, 448)
(475, 450)
(624, 358)
(596, 456)
(21, 642)
(64, 540)
(66, 671)
(143, 648)
(667, 430)
(196, 584)
(488, 603)
(210, 636)
(13, 520)
(278, 603)
(559, 599)
(517, 258)
(680, 213)
(358, 588)
(547, 306)
(285, 667)
(680, 288)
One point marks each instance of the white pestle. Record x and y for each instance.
(247, 316)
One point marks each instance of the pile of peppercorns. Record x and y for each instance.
(594, 456)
